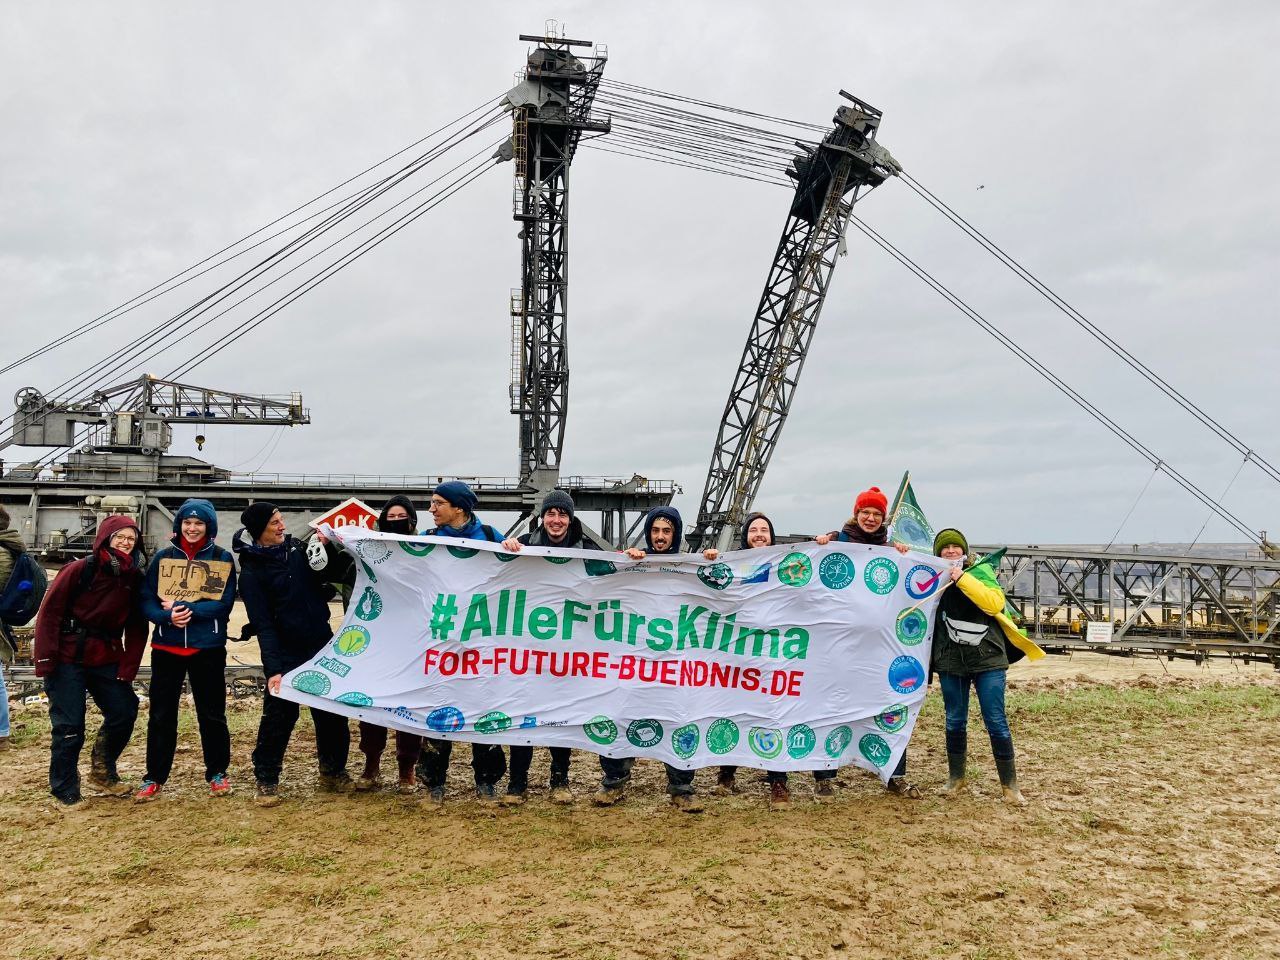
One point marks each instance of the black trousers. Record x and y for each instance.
(206, 670)
(487, 761)
(522, 757)
(67, 688)
(333, 739)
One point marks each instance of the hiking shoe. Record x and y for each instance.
(779, 796)
(514, 798)
(900, 787)
(726, 786)
(220, 786)
(69, 807)
(686, 803)
(335, 783)
(365, 784)
(268, 795)
(109, 784)
(608, 796)
(486, 793)
(407, 786)
(437, 796)
(561, 794)
(824, 790)
(149, 791)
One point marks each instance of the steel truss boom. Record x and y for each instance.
(848, 160)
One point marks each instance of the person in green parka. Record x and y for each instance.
(969, 650)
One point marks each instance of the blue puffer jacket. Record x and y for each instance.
(207, 628)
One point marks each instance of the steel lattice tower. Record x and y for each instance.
(846, 161)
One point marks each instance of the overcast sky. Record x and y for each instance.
(1126, 153)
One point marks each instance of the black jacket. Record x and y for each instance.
(574, 539)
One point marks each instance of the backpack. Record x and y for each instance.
(20, 596)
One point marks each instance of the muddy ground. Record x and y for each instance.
(1153, 829)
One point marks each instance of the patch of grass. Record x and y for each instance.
(135, 866)
(312, 864)
(241, 921)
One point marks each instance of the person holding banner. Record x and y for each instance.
(453, 507)
(397, 516)
(663, 530)
(969, 649)
(867, 526)
(287, 598)
(188, 594)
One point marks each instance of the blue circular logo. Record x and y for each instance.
(906, 675)
(922, 581)
(446, 720)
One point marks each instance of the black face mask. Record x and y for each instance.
(397, 526)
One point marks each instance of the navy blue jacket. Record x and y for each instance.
(207, 628)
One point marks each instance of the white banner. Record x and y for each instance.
(794, 657)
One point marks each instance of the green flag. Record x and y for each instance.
(907, 523)
(1018, 644)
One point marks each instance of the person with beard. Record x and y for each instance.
(189, 646)
(663, 530)
(397, 516)
(287, 599)
(867, 526)
(558, 526)
(90, 635)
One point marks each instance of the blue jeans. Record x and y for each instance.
(990, 687)
(4, 705)
(67, 687)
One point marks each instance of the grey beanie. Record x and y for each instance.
(558, 499)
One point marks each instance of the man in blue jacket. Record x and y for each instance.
(188, 594)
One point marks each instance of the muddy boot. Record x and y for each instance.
(686, 803)
(900, 786)
(368, 779)
(1002, 749)
(779, 796)
(726, 783)
(608, 796)
(957, 758)
(101, 774)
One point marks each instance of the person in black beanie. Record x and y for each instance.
(287, 596)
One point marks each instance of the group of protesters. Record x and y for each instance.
(92, 630)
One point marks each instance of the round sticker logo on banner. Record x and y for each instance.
(874, 748)
(765, 742)
(352, 641)
(446, 719)
(837, 741)
(373, 551)
(893, 719)
(355, 699)
(717, 576)
(880, 575)
(912, 628)
(684, 741)
(504, 557)
(644, 733)
(369, 605)
(722, 736)
(599, 568)
(906, 675)
(463, 553)
(800, 741)
(557, 559)
(922, 581)
(601, 730)
(495, 721)
(795, 570)
(416, 549)
(313, 682)
(836, 571)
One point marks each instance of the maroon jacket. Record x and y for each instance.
(106, 609)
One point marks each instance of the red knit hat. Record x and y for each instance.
(871, 498)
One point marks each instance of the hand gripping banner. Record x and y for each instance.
(793, 657)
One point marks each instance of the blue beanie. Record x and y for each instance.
(458, 494)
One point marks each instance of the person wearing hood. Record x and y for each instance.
(90, 636)
(287, 597)
(558, 526)
(453, 507)
(189, 645)
(867, 525)
(398, 515)
(663, 531)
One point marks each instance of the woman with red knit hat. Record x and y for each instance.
(867, 526)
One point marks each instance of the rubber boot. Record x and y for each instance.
(957, 757)
(1002, 750)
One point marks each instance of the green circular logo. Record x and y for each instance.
(495, 721)
(355, 699)
(601, 730)
(880, 575)
(875, 748)
(795, 570)
(717, 576)
(836, 571)
(800, 741)
(644, 733)
(369, 605)
(313, 682)
(893, 719)
(504, 557)
(557, 559)
(416, 549)
(722, 736)
(765, 742)
(352, 641)
(912, 628)
(837, 741)
(599, 568)
(462, 553)
(684, 741)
